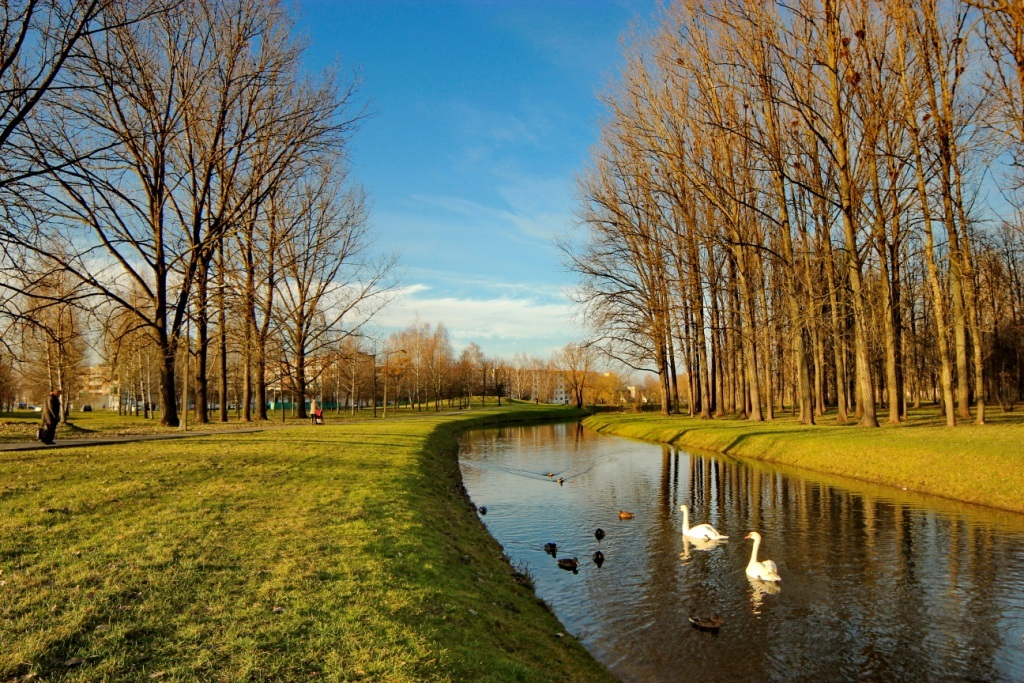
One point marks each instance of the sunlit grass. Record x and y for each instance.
(976, 464)
(343, 552)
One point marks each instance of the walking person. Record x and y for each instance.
(51, 417)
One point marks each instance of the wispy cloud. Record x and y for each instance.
(493, 128)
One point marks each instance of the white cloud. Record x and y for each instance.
(500, 325)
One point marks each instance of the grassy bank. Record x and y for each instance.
(344, 552)
(975, 464)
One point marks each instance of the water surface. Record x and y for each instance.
(878, 584)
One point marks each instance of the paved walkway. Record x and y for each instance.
(127, 438)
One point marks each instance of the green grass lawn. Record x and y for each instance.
(344, 552)
(976, 464)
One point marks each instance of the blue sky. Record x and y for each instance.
(484, 113)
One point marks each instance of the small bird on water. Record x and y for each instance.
(598, 558)
(599, 534)
(626, 515)
(569, 564)
(712, 623)
(550, 549)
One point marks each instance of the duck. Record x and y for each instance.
(549, 474)
(705, 531)
(765, 570)
(550, 549)
(561, 481)
(626, 515)
(599, 533)
(712, 623)
(569, 564)
(598, 558)
(482, 509)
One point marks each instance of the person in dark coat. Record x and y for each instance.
(51, 417)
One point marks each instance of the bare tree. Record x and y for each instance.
(330, 279)
(575, 363)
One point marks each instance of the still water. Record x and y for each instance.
(877, 584)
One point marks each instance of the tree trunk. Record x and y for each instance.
(703, 381)
(748, 325)
(889, 303)
(168, 398)
(261, 381)
(202, 344)
(848, 198)
(938, 297)
(222, 332)
(300, 383)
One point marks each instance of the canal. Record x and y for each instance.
(877, 583)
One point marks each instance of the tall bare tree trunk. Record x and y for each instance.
(888, 304)
(748, 314)
(934, 279)
(849, 202)
(703, 382)
(222, 333)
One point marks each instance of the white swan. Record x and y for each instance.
(704, 531)
(765, 570)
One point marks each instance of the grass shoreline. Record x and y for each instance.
(974, 464)
(343, 552)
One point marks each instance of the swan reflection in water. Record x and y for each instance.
(759, 589)
(698, 544)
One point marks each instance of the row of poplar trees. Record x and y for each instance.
(810, 199)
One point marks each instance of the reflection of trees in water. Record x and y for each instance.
(934, 581)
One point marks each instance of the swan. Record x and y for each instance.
(765, 570)
(704, 531)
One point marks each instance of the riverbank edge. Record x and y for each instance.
(873, 457)
(440, 463)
